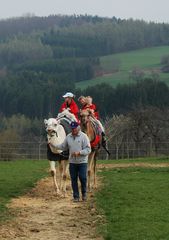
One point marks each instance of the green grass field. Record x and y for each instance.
(135, 203)
(17, 177)
(147, 59)
(134, 200)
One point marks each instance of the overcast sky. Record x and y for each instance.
(148, 10)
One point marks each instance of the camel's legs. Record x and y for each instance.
(64, 175)
(53, 173)
(94, 172)
(60, 173)
(90, 170)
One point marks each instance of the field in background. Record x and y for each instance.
(153, 160)
(17, 177)
(147, 59)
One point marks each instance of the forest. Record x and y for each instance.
(41, 58)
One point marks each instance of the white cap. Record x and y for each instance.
(68, 94)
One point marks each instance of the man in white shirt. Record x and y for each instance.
(79, 148)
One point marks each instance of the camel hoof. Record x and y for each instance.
(57, 192)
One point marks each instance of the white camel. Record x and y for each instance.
(57, 129)
(56, 135)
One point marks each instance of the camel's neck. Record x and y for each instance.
(88, 129)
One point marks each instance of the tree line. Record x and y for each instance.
(141, 132)
(40, 98)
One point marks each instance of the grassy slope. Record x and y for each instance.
(147, 59)
(16, 177)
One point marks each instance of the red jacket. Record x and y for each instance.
(73, 108)
(94, 108)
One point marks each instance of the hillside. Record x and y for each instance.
(41, 58)
(147, 59)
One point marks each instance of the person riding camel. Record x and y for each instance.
(82, 101)
(87, 104)
(70, 104)
(90, 105)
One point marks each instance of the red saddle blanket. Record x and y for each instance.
(96, 141)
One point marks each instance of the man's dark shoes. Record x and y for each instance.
(76, 200)
(84, 198)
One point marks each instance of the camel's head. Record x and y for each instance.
(55, 133)
(51, 125)
(84, 116)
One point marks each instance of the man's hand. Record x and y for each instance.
(75, 154)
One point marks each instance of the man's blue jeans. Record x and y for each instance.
(78, 171)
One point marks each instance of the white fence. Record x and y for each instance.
(38, 150)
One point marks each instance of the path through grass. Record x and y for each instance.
(16, 177)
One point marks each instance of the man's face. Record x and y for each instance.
(75, 131)
(68, 100)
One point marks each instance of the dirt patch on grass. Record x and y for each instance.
(41, 215)
(127, 165)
